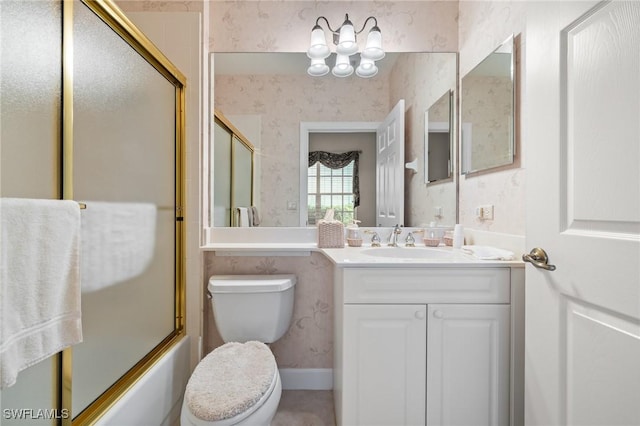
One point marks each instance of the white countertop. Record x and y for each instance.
(443, 257)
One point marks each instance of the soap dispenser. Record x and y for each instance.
(353, 234)
(458, 237)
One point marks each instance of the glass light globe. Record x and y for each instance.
(318, 48)
(343, 67)
(318, 68)
(373, 49)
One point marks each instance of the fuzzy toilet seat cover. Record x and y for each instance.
(230, 380)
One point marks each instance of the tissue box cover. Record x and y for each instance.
(330, 234)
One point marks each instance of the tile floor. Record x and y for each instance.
(305, 408)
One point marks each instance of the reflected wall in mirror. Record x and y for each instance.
(487, 104)
(438, 140)
(274, 92)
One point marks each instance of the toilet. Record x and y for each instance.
(238, 383)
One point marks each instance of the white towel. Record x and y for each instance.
(488, 253)
(118, 241)
(250, 216)
(243, 217)
(39, 282)
(256, 216)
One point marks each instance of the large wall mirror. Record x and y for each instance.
(268, 95)
(487, 112)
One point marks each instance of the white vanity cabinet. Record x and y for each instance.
(432, 346)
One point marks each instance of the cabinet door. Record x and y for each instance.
(468, 365)
(384, 365)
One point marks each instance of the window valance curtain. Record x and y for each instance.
(338, 161)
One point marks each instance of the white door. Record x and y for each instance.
(390, 169)
(384, 367)
(582, 114)
(468, 365)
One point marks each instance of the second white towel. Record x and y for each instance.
(488, 253)
(118, 241)
(243, 217)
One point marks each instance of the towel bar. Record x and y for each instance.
(83, 206)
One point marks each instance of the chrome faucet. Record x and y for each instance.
(393, 237)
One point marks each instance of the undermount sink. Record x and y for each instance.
(408, 252)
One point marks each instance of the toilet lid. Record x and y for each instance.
(230, 381)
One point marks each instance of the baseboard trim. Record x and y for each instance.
(306, 378)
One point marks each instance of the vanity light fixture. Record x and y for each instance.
(346, 45)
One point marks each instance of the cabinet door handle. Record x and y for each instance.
(438, 314)
(420, 314)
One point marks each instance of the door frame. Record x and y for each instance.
(308, 127)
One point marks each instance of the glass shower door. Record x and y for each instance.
(125, 170)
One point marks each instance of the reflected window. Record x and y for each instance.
(330, 188)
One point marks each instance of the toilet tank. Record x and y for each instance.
(252, 307)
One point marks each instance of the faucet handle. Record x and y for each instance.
(375, 238)
(410, 241)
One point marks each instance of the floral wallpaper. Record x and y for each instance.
(285, 26)
(160, 6)
(309, 341)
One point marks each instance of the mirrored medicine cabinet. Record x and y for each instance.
(487, 112)
(439, 139)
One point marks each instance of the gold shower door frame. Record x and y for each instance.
(108, 12)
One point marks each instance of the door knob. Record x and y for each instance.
(420, 314)
(538, 258)
(438, 314)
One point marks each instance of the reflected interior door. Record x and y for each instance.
(390, 168)
(583, 142)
